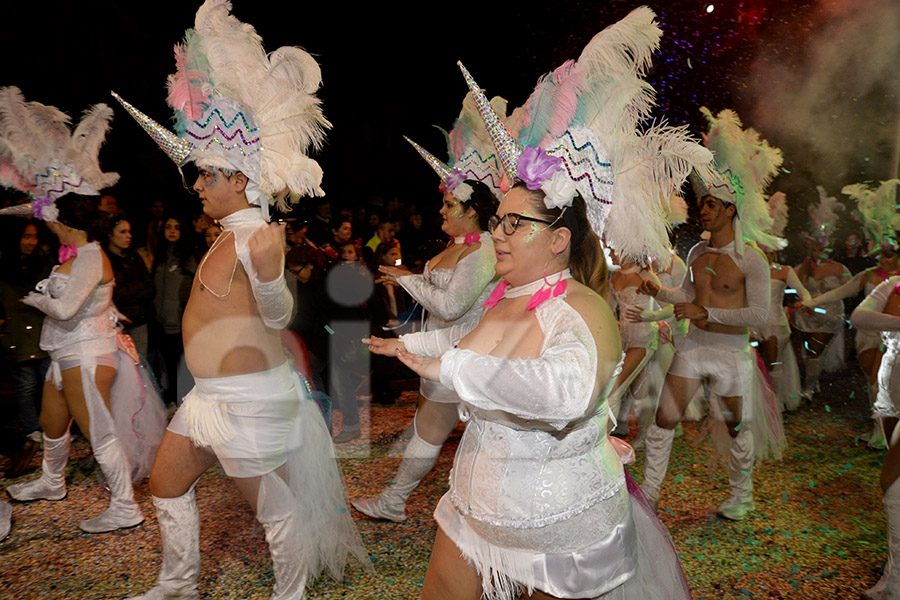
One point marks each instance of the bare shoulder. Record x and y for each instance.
(591, 306)
(600, 320)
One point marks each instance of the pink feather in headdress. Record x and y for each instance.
(187, 87)
(570, 81)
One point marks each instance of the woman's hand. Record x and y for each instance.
(426, 368)
(385, 347)
(389, 275)
(633, 314)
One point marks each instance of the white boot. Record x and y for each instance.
(123, 511)
(888, 587)
(813, 370)
(418, 460)
(290, 581)
(656, 462)
(179, 528)
(740, 477)
(51, 485)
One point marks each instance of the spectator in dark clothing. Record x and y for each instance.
(320, 224)
(134, 290)
(173, 272)
(24, 264)
(341, 232)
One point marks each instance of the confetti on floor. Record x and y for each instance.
(818, 530)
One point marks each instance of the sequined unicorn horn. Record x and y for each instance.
(503, 140)
(439, 166)
(19, 210)
(176, 148)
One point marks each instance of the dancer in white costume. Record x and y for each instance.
(452, 289)
(880, 312)
(821, 339)
(640, 341)
(774, 337)
(533, 376)
(878, 210)
(248, 409)
(725, 292)
(89, 379)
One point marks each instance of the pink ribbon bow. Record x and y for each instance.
(496, 295)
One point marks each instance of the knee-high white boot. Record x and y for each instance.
(888, 587)
(287, 559)
(179, 528)
(656, 461)
(51, 485)
(813, 370)
(418, 460)
(740, 477)
(123, 511)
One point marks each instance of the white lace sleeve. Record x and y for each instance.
(85, 276)
(757, 287)
(273, 298)
(848, 289)
(685, 292)
(793, 282)
(869, 314)
(469, 278)
(556, 387)
(436, 342)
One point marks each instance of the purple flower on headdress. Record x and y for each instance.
(42, 209)
(536, 167)
(455, 178)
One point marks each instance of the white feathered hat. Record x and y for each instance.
(238, 108)
(745, 165)
(586, 116)
(878, 208)
(41, 156)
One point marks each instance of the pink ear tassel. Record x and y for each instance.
(538, 298)
(496, 295)
(560, 288)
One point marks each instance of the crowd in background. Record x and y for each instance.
(332, 259)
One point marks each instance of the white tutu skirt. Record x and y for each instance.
(138, 418)
(633, 559)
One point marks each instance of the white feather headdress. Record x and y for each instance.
(42, 157)
(823, 216)
(586, 113)
(745, 165)
(239, 108)
(778, 210)
(878, 209)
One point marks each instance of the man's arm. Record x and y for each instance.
(270, 290)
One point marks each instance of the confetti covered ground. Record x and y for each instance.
(817, 532)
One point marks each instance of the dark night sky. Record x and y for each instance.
(387, 71)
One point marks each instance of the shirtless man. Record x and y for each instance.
(725, 291)
(247, 409)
